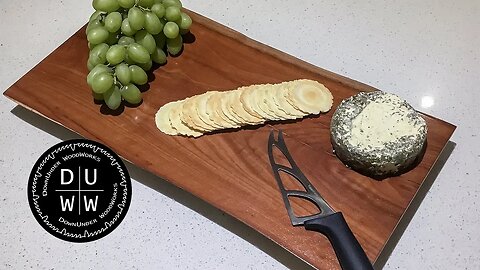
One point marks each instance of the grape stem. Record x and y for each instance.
(102, 17)
(143, 8)
(116, 82)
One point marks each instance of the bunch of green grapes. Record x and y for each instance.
(125, 37)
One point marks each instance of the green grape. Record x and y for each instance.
(147, 66)
(131, 94)
(160, 40)
(98, 69)
(113, 98)
(112, 39)
(102, 82)
(138, 75)
(128, 60)
(158, 9)
(113, 22)
(145, 3)
(93, 24)
(116, 54)
(172, 13)
(145, 39)
(97, 96)
(123, 73)
(169, 3)
(136, 18)
(171, 30)
(174, 46)
(138, 53)
(124, 40)
(98, 55)
(129, 36)
(97, 35)
(105, 5)
(90, 65)
(126, 3)
(184, 31)
(184, 22)
(159, 56)
(127, 28)
(152, 23)
(95, 15)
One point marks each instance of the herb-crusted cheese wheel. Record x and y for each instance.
(378, 134)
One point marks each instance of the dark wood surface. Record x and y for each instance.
(230, 170)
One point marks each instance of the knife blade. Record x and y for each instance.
(328, 222)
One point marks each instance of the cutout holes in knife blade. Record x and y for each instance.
(280, 158)
(290, 183)
(303, 207)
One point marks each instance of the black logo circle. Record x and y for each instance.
(79, 190)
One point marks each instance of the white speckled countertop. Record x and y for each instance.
(426, 51)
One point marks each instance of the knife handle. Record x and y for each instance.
(350, 254)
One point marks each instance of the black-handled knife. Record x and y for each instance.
(332, 224)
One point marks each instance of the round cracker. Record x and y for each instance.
(238, 109)
(177, 124)
(246, 98)
(162, 119)
(308, 96)
(261, 99)
(190, 117)
(222, 100)
(255, 99)
(213, 111)
(226, 109)
(281, 101)
(201, 108)
(327, 99)
(274, 107)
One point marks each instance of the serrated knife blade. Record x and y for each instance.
(350, 253)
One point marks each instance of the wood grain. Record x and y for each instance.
(230, 170)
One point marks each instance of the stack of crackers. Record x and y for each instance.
(248, 105)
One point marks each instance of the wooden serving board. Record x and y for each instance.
(230, 170)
